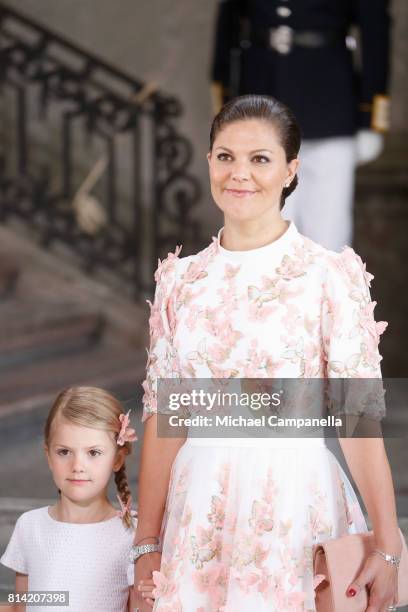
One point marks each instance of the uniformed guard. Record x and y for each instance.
(301, 52)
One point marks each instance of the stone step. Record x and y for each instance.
(37, 383)
(9, 272)
(36, 329)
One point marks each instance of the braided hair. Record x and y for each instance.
(124, 493)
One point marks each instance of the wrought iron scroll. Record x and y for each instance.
(72, 91)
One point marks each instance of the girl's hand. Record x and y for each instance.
(144, 568)
(145, 588)
(381, 578)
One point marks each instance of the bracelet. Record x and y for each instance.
(148, 538)
(393, 559)
(138, 551)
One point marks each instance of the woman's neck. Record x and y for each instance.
(93, 511)
(251, 234)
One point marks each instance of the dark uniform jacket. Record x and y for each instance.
(328, 96)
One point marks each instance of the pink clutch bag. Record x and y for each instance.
(337, 562)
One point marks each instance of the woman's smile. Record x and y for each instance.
(241, 193)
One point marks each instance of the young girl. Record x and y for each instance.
(81, 544)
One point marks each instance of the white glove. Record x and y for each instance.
(89, 213)
(369, 145)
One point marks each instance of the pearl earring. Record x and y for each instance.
(287, 185)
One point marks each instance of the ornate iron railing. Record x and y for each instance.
(112, 182)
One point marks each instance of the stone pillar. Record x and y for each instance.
(399, 80)
(381, 212)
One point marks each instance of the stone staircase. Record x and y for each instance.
(48, 331)
(58, 328)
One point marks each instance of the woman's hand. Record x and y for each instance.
(144, 568)
(381, 578)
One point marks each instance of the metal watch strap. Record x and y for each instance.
(138, 551)
(393, 559)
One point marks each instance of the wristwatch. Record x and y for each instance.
(142, 549)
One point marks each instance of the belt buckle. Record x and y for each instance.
(281, 39)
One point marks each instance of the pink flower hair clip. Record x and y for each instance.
(126, 434)
(125, 508)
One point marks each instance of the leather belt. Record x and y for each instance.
(283, 38)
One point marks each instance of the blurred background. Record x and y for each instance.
(105, 111)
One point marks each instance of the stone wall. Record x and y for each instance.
(399, 79)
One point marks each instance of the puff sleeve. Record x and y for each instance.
(15, 555)
(162, 359)
(351, 336)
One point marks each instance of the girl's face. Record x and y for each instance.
(82, 460)
(248, 170)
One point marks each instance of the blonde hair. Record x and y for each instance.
(96, 408)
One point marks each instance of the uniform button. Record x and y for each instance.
(283, 11)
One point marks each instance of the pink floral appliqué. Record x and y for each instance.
(164, 587)
(167, 264)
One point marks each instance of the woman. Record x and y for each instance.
(261, 301)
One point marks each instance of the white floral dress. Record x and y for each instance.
(242, 515)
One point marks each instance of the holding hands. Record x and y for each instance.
(144, 584)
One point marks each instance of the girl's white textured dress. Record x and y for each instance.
(242, 515)
(91, 561)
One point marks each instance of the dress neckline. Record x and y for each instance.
(278, 247)
(66, 523)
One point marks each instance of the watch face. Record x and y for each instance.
(135, 553)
